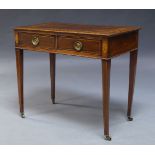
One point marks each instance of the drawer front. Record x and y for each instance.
(36, 41)
(79, 45)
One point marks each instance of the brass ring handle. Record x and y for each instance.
(78, 45)
(35, 41)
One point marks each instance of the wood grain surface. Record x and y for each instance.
(80, 29)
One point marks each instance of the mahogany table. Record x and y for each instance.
(100, 42)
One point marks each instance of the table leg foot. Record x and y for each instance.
(53, 100)
(130, 118)
(107, 137)
(22, 115)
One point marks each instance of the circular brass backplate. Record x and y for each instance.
(78, 45)
(35, 41)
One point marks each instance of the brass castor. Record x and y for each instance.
(130, 118)
(108, 138)
(22, 115)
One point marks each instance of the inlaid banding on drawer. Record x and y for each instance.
(79, 45)
(36, 41)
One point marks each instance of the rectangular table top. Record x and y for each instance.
(107, 31)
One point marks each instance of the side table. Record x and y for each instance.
(99, 42)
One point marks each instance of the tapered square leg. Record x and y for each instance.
(19, 65)
(132, 75)
(52, 74)
(106, 65)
